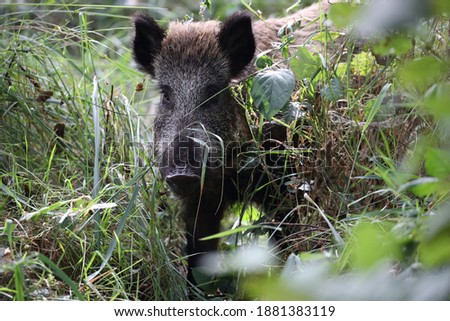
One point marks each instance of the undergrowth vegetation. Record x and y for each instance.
(83, 215)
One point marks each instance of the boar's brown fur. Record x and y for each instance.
(199, 127)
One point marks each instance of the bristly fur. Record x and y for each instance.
(146, 41)
(193, 48)
(199, 127)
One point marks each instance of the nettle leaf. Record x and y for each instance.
(436, 163)
(305, 64)
(333, 91)
(363, 63)
(271, 90)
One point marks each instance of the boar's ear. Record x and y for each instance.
(236, 39)
(147, 39)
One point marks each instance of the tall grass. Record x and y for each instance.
(78, 184)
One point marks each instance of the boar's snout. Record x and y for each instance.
(191, 153)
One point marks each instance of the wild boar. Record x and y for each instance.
(199, 127)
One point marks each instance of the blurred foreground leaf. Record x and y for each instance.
(371, 244)
(437, 163)
(434, 249)
(421, 73)
(437, 99)
(393, 45)
(343, 14)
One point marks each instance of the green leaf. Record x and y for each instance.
(273, 289)
(247, 214)
(206, 4)
(434, 249)
(376, 106)
(437, 163)
(437, 98)
(271, 90)
(333, 91)
(341, 70)
(393, 45)
(442, 6)
(8, 230)
(421, 73)
(372, 243)
(19, 283)
(263, 62)
(117, 232)
(343, 14)
(422, 187)
(295, 111)
(251, 213)
(305, 64)
(363, 63)
(326, 36)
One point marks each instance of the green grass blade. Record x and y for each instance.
(117, 233)
(63, 276)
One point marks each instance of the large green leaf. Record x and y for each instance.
(437, 98)
(434, 248)
(436, 163)
(422, 72)
(393, 45)
(305, 64)
(271, 90)
(423, 186)
(343, 14)
(442, 6)
(333, 91)
(371, 244)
